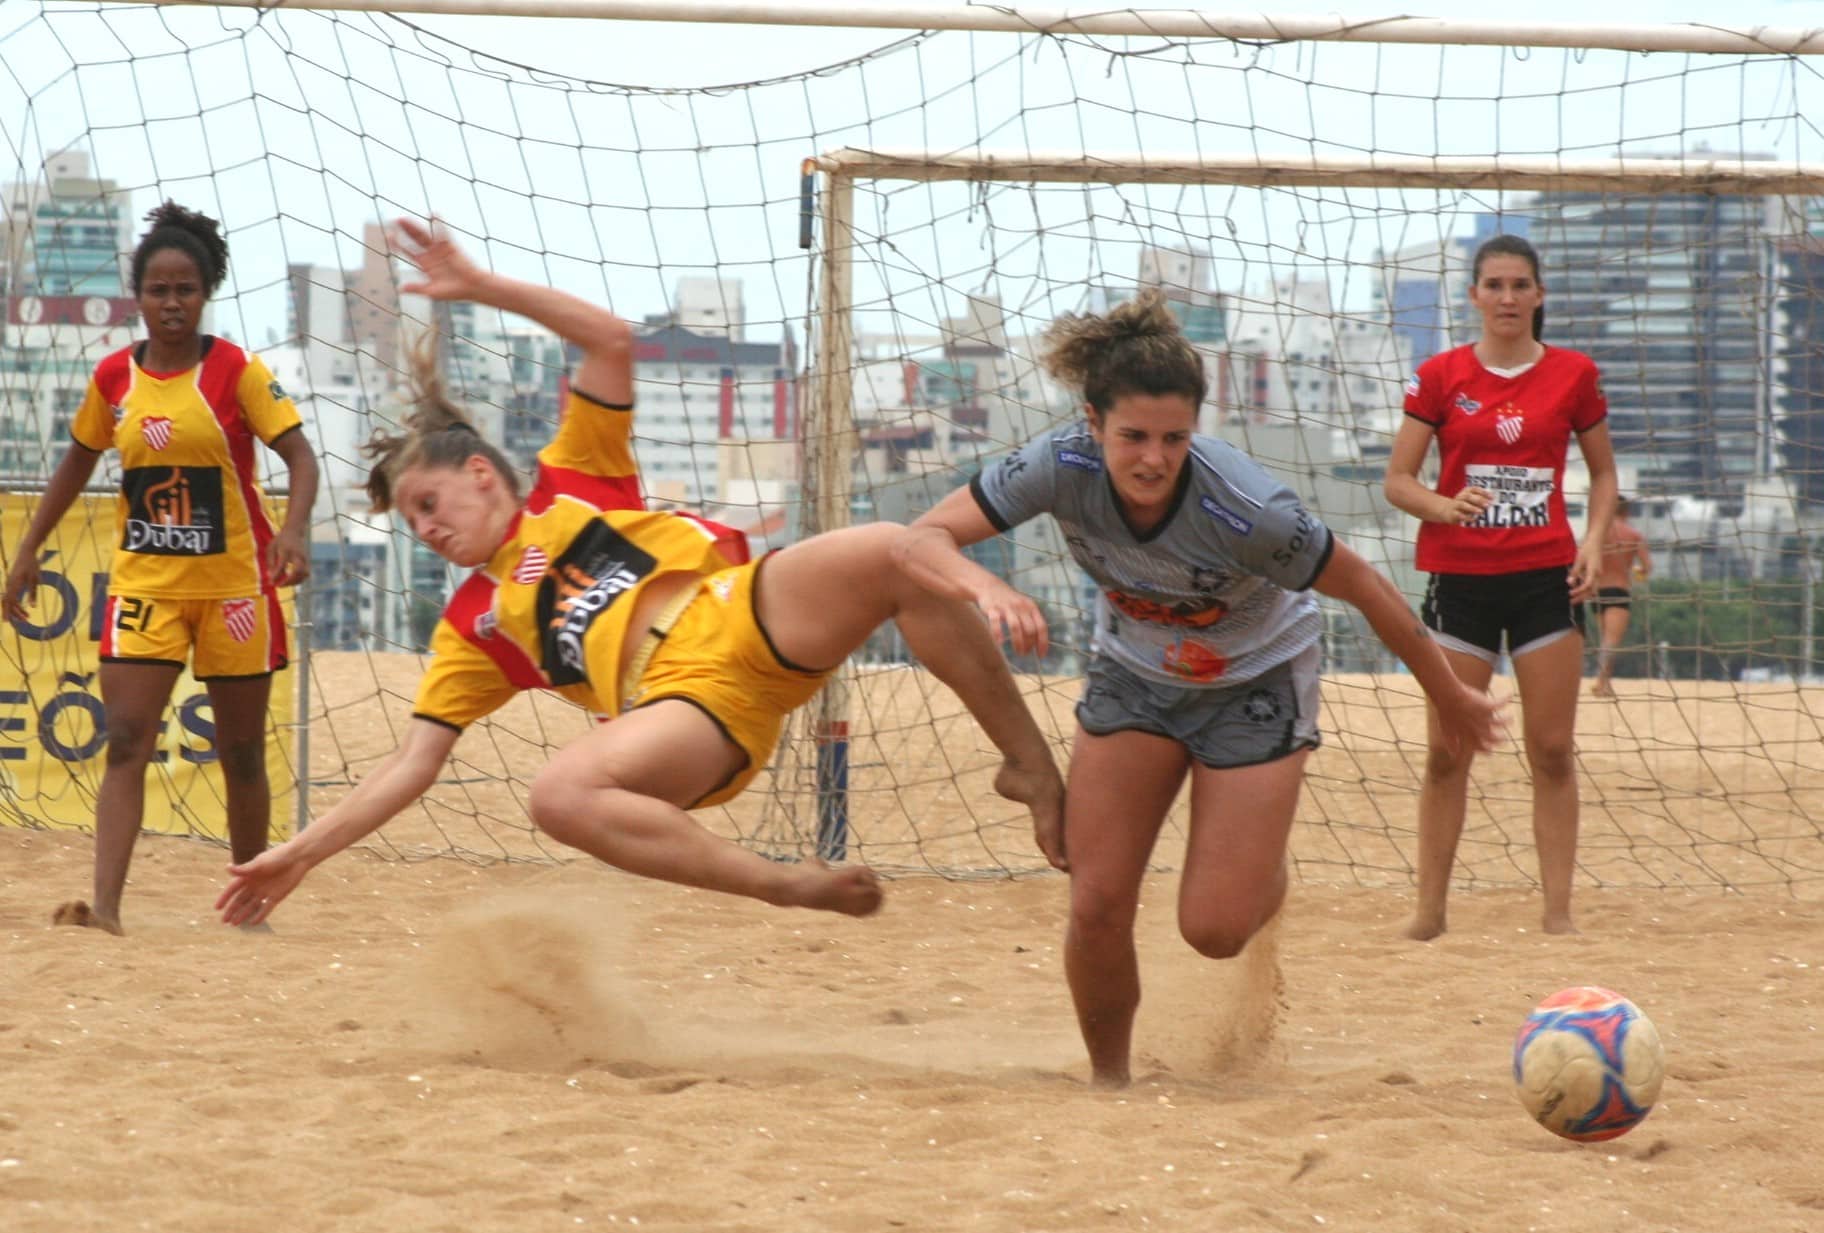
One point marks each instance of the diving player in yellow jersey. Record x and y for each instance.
(638, 615)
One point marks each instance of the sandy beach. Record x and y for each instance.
(467, 1044)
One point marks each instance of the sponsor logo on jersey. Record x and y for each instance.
(156, 429)
(597, 568)
(531, 567)
(120, 412)
(1222, 513)
(1198, 613)
(173, 511)
(1082, 462)
(1194, 661)
(1466, 404)
(486, 623)
(241, 618)
(1412, 386)
(723, 586)
(277, 392)
(1509, 426)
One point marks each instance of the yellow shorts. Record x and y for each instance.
(221, 639)
(717, 657)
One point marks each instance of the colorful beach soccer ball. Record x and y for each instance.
(1588, 1064)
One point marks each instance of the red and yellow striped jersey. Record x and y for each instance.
(191, 521)
(572, 565)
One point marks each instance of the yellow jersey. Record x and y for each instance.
(191, 521)
(566, 577)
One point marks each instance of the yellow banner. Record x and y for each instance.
(53, 734)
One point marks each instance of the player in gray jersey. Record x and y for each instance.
(1205, 653)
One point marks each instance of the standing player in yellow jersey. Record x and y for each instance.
(634, 614)
(197, 560)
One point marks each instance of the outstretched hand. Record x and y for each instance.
(257, 887)
(449, 274)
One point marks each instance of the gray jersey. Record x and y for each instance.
(1215, 594)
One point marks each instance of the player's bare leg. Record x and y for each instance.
(1613, 626)
(821, 598)
(1443, 801)
(1547, 678)
(1121, 786)
(135, 695)
(620, 792)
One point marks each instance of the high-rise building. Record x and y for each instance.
(64, 244)
(1672, 295)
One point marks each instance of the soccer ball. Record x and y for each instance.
(1588, 1064)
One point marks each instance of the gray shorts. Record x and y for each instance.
(1256, 721)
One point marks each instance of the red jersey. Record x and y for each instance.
(1508, 435)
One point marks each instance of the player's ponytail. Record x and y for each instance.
(196, 235)
(1513, 246)
(438, 433)
(1134, 348)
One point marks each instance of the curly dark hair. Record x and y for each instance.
(1133, 348)
(196, 235)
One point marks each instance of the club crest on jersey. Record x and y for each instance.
(1509, 425)
(1466, 404)
(240, 618)
(532, 564)
(156, 429)
(485, 624)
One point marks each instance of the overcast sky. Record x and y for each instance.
(298, 127)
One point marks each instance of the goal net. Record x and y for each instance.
(841, 246)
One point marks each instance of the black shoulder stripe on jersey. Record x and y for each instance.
(1323, 561)
(987, 507)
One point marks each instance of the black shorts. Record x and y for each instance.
(1612, 597)
(1472, 613)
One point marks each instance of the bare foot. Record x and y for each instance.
(1559, 922)
(1602, 689)
(81, 916)
(1042, 792)
(853, 891)
(1424, 927)
(1110, 1081)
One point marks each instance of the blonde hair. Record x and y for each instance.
(1133, 348)
(438, 433)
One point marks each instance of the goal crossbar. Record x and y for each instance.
(1168, 23)
(1545, 174)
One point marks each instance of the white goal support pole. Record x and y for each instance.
(1156, 23)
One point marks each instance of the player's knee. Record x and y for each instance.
(130, 740)
(1217, 937)
(1550, 757)
(552, 802)
(1094, 913)
(243, 760)
(1445, 765)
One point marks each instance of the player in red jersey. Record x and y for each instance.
(198, 562)
(636, 614)
(1507, 571)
